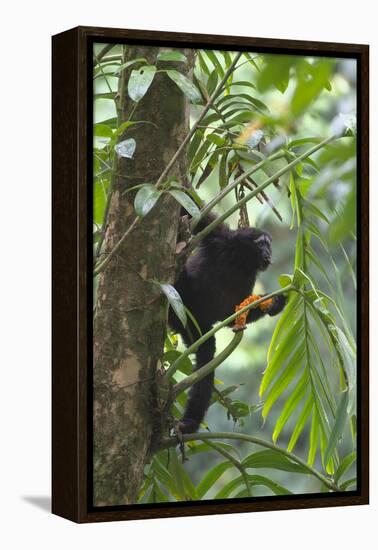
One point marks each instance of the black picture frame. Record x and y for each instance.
(71, 290)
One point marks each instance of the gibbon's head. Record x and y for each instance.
(257, 247)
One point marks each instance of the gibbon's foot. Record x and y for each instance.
(178, 433)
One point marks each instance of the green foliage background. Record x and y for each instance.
(296, 389)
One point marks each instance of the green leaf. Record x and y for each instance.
(129, 63)
(185, 85)
(102, 130)
(344, 466)
(172, 56)
(299, 142)
(185, 201)
(175, 301)
(276, 72)
(290, 406)
(139, 82)
(194, 321)
(314, 437)
(344, 486)
(185, 364)
(283, 353)
(211, 477)
(195, 142)
(285, 280)
(181, 477)
(212, 82)
(301, 422)
(145, 199)
(273, 460)
(284, 379)
(254, 480)
(166, 479)
(338, 428)
(215, 61)
(312, 79)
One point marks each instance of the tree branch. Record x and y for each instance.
(205, 436)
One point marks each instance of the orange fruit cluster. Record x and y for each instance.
(241, 319)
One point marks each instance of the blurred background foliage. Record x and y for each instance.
(270, 103)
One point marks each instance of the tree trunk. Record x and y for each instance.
(131, 314)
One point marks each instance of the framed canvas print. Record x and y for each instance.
(210, 274)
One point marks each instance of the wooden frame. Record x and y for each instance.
(70, 389)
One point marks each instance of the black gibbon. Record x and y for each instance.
(216, 278)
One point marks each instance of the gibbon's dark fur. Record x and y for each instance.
(217, 277)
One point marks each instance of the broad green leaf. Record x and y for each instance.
(312, 80)
(303, 141)
(139, 82)
(183, 482)
(344, 486)
(185, 201)
(102, 130)
(195, 448)
(175, 301)
(159, 495)
(164, 476)
(344, 466)
(276, 72)
(98, 204)
(273, 460)
(172, 355)
(145, 199)
(172, 56)
(285, 280)
(185, 85)
(211, 477)
(129, 64)
(254, 480)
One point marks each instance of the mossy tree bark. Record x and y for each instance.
(131, 314)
